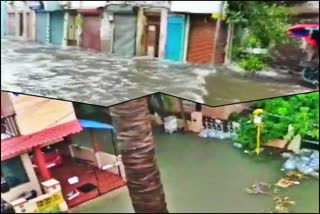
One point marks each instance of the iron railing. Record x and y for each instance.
(9, 128)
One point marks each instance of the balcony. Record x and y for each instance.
(9, 128)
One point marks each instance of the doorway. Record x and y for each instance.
(21, 24)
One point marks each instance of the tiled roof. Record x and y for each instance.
(25, 143)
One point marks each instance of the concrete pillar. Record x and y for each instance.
(65, 29)
(163, 33)
(41, 163)
(186, 38)
(140, 31)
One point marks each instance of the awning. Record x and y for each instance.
(96, 125)
(91, 11)
(19, 145)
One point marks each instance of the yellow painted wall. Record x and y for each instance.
(34, 114)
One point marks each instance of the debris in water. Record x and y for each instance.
(295, 176)
(284, 183)
(282, 204)
(259, 188)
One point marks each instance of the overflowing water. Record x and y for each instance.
(102, 79)
(210, 175)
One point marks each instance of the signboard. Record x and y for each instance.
(50, 204)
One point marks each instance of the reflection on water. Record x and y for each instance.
(98, 78)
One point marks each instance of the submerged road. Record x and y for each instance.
(97, 78)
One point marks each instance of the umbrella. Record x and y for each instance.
(303, 30)
(309, 32)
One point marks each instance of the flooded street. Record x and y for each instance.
(98, 78)
(199, 175)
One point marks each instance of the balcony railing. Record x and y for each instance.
(9, 127)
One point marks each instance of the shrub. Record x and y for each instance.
(252, 63)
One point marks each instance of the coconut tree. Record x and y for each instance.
(138, 156)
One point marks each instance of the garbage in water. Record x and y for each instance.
(295, 176)
(306, 162)
(214, 129)
(170, 124)
(282, 204)
(259, 188)
(237, 145)
(285, 182)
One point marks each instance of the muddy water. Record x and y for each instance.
(205, 175)
(98, 78)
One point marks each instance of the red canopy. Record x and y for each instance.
(25, 143)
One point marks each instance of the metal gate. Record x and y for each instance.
(125, 35)
(11, 24)
(42, 27)
(175, 37)
(91, 37)
(201, 39)
(57, 27)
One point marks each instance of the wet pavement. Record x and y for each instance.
(97, 78)
(199, 175)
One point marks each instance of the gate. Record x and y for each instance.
(11, 24)
(175, 38)
(91, 37)
(42, 27)
(125, 35)
(57, 27)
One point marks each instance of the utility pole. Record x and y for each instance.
(217, 33)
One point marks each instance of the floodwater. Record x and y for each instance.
(206, 175)
(97, 78)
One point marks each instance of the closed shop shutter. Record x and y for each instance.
(125, 35)
(201, 39)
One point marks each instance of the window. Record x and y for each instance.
(13, 172)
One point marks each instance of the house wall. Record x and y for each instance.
(206, 7)
(33, 183)
(221, 112)
(106, 158)
(3, 18)
(83, 153)
(34, 114)
(6, 104)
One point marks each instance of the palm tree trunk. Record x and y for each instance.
(138, 156)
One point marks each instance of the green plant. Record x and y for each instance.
(252, 63)
(299, 111)
(265, 24)
(168, 102)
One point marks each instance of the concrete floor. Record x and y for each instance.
(204, 175)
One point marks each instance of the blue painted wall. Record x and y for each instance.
(57, 27)
(3, 18)
(42, 27)
(175, 37)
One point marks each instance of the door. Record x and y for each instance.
(175, 37)
(11, 24)
(57, 27)
(91, 37)
(21, 24)
(201, 39)
(152, 32)
(72, 30)
(42, 27)
(124, 34)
